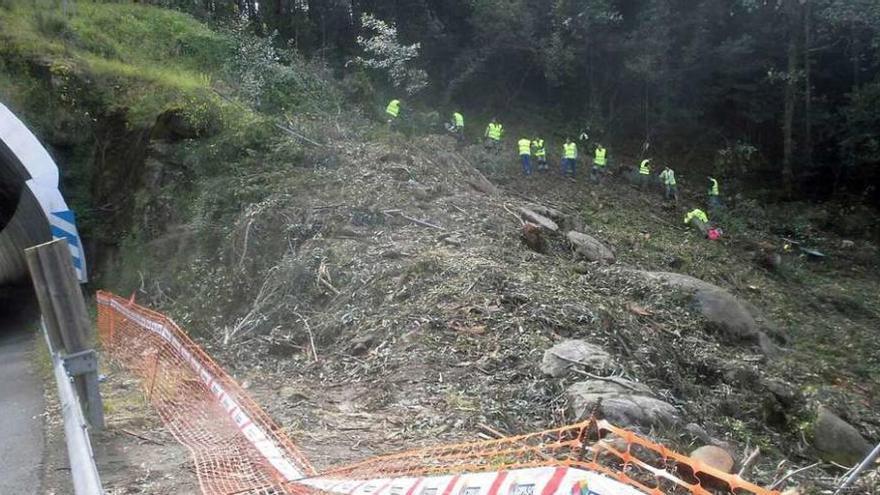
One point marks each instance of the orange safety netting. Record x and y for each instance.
(238, 449)
(593, 445)
(182, 382)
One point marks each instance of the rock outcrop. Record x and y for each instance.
(622, 402)
(538, 219)
(561, 357)
(589, 248)
(836, 440)
(736, 320)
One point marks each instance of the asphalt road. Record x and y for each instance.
(21, 407)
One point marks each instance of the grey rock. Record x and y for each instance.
(589, 248)
(735, 319)
(538, 219)
(561, 357)
(786, 394)
(714, 456)
(622, 402)
(836, 440)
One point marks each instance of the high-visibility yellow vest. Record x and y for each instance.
(668, 177)
(713, 189)
(393, 108)
(698, 214)
(644, 169)
(539, 147)
(600, 157)
(525, 146)
(459, 119)
(570, 151)
(494, 131)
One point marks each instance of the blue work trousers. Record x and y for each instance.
(568, 165)
(526, 164)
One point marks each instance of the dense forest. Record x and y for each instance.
(785, 91)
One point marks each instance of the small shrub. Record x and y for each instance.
(50, 23)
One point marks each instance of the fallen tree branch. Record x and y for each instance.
(749, 462)
(298, 135)
(421, 222)
(792, 473)
(142, 437)
(413, 220)
(521, 221)
(612, 379)
(311, 335)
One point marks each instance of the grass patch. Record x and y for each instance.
(144, 60)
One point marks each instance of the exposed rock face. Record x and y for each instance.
(538, 219)
(714, 456)
(736, 320)
(836, 440)
(589, 248)
(622, 402)
(562, 356)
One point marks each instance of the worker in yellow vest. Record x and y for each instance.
(698, 219)
(494, 133)
(714, 194)
(569, 157)
(599, 161)
(540, 154)
(667, 176)
(392, 111)
(525, 155)
(456, 127)
(645, 173)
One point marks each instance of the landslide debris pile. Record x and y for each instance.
(378, 292)
(401, 292)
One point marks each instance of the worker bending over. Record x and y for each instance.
(599, 162)
(569, 157)
(525, 155)
(540, 154)
(698, 219)
(667, 176)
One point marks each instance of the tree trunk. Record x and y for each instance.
(808, 82)
(790, 96)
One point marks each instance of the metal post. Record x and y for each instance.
(66, 319)
(858, 470)
(153, 372)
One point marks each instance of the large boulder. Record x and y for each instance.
(589, 248)
(621, 402)
(836, 440)
(562, 356)
(735, 319)
(714, 456)
(538, 219)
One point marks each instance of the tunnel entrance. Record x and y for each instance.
(19, 310)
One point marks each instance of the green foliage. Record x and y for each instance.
(143, 60)
(860, 141)
(271, 78)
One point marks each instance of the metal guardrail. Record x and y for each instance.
(83, 470)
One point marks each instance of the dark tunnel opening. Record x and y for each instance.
(19, 310)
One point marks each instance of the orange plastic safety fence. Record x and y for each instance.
(235, 446)
(593, 445)
(238, 449)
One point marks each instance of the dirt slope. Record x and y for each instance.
(429, 315)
